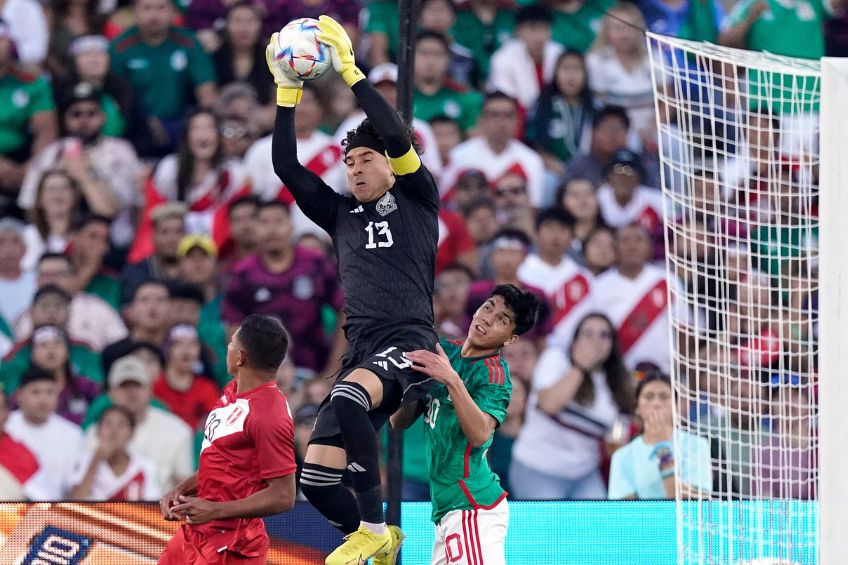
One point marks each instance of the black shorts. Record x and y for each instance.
(383, 356)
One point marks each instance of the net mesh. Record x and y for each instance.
(738, 135)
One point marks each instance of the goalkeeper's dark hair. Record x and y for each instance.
(523, 304)
(366, 129)
(265, 340)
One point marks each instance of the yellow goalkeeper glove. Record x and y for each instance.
(333, 35)
(289, 90)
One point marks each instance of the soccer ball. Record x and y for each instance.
(299, 53)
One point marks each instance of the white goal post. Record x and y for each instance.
(833, 340)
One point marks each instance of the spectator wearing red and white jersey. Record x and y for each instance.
(19, 469)
(498, 148)
(635, 299)
(624, 198)
(567, 286)
(524, 65)
(199, 176)
(112, 471)
(54, 440)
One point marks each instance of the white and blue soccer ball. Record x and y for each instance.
(299, 53)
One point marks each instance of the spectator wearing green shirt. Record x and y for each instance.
(435, 93)
(27, 115)
(483, 26)
(381, 28)
(576, 22)
(168, 69)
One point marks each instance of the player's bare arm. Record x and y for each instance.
(277, 497)
(172, 497)
(476, 424)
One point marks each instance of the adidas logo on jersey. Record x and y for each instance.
(355, 468)
(382, 364)
(357, 210)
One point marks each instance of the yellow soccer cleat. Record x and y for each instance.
(389, 557)
(359, 547)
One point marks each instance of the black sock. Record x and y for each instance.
(323, 489)
(351, 403)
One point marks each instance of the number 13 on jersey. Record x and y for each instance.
(379, 235)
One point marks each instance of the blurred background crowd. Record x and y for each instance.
(142, 220)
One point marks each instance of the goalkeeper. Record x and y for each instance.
(385, 234)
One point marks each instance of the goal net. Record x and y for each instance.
(738, 144)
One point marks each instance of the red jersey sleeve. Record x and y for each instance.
(272, 431)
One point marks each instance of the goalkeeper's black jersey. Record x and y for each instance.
(386, 249)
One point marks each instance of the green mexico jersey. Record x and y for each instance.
(452, 101)
(460, 476)
(22, 95)
(577, 30)
(164, 76)
(480, 38)
(382, 17)
(803, 22)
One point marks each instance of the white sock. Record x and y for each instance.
(376, 528)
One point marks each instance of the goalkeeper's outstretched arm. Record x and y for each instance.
(310, 192)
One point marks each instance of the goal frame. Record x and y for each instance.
(833, 315)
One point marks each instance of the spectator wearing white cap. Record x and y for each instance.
(54, 440)
(384, 78)
(27, 116)
(28, 29)
(17, 286)
(106, 169)
(159, 435)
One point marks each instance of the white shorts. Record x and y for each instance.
(472, 537)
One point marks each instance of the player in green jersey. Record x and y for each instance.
(461, 413)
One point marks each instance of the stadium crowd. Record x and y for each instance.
(142, 221)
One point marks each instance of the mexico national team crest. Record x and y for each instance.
(386, 205)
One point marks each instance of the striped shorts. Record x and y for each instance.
(472, 537)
